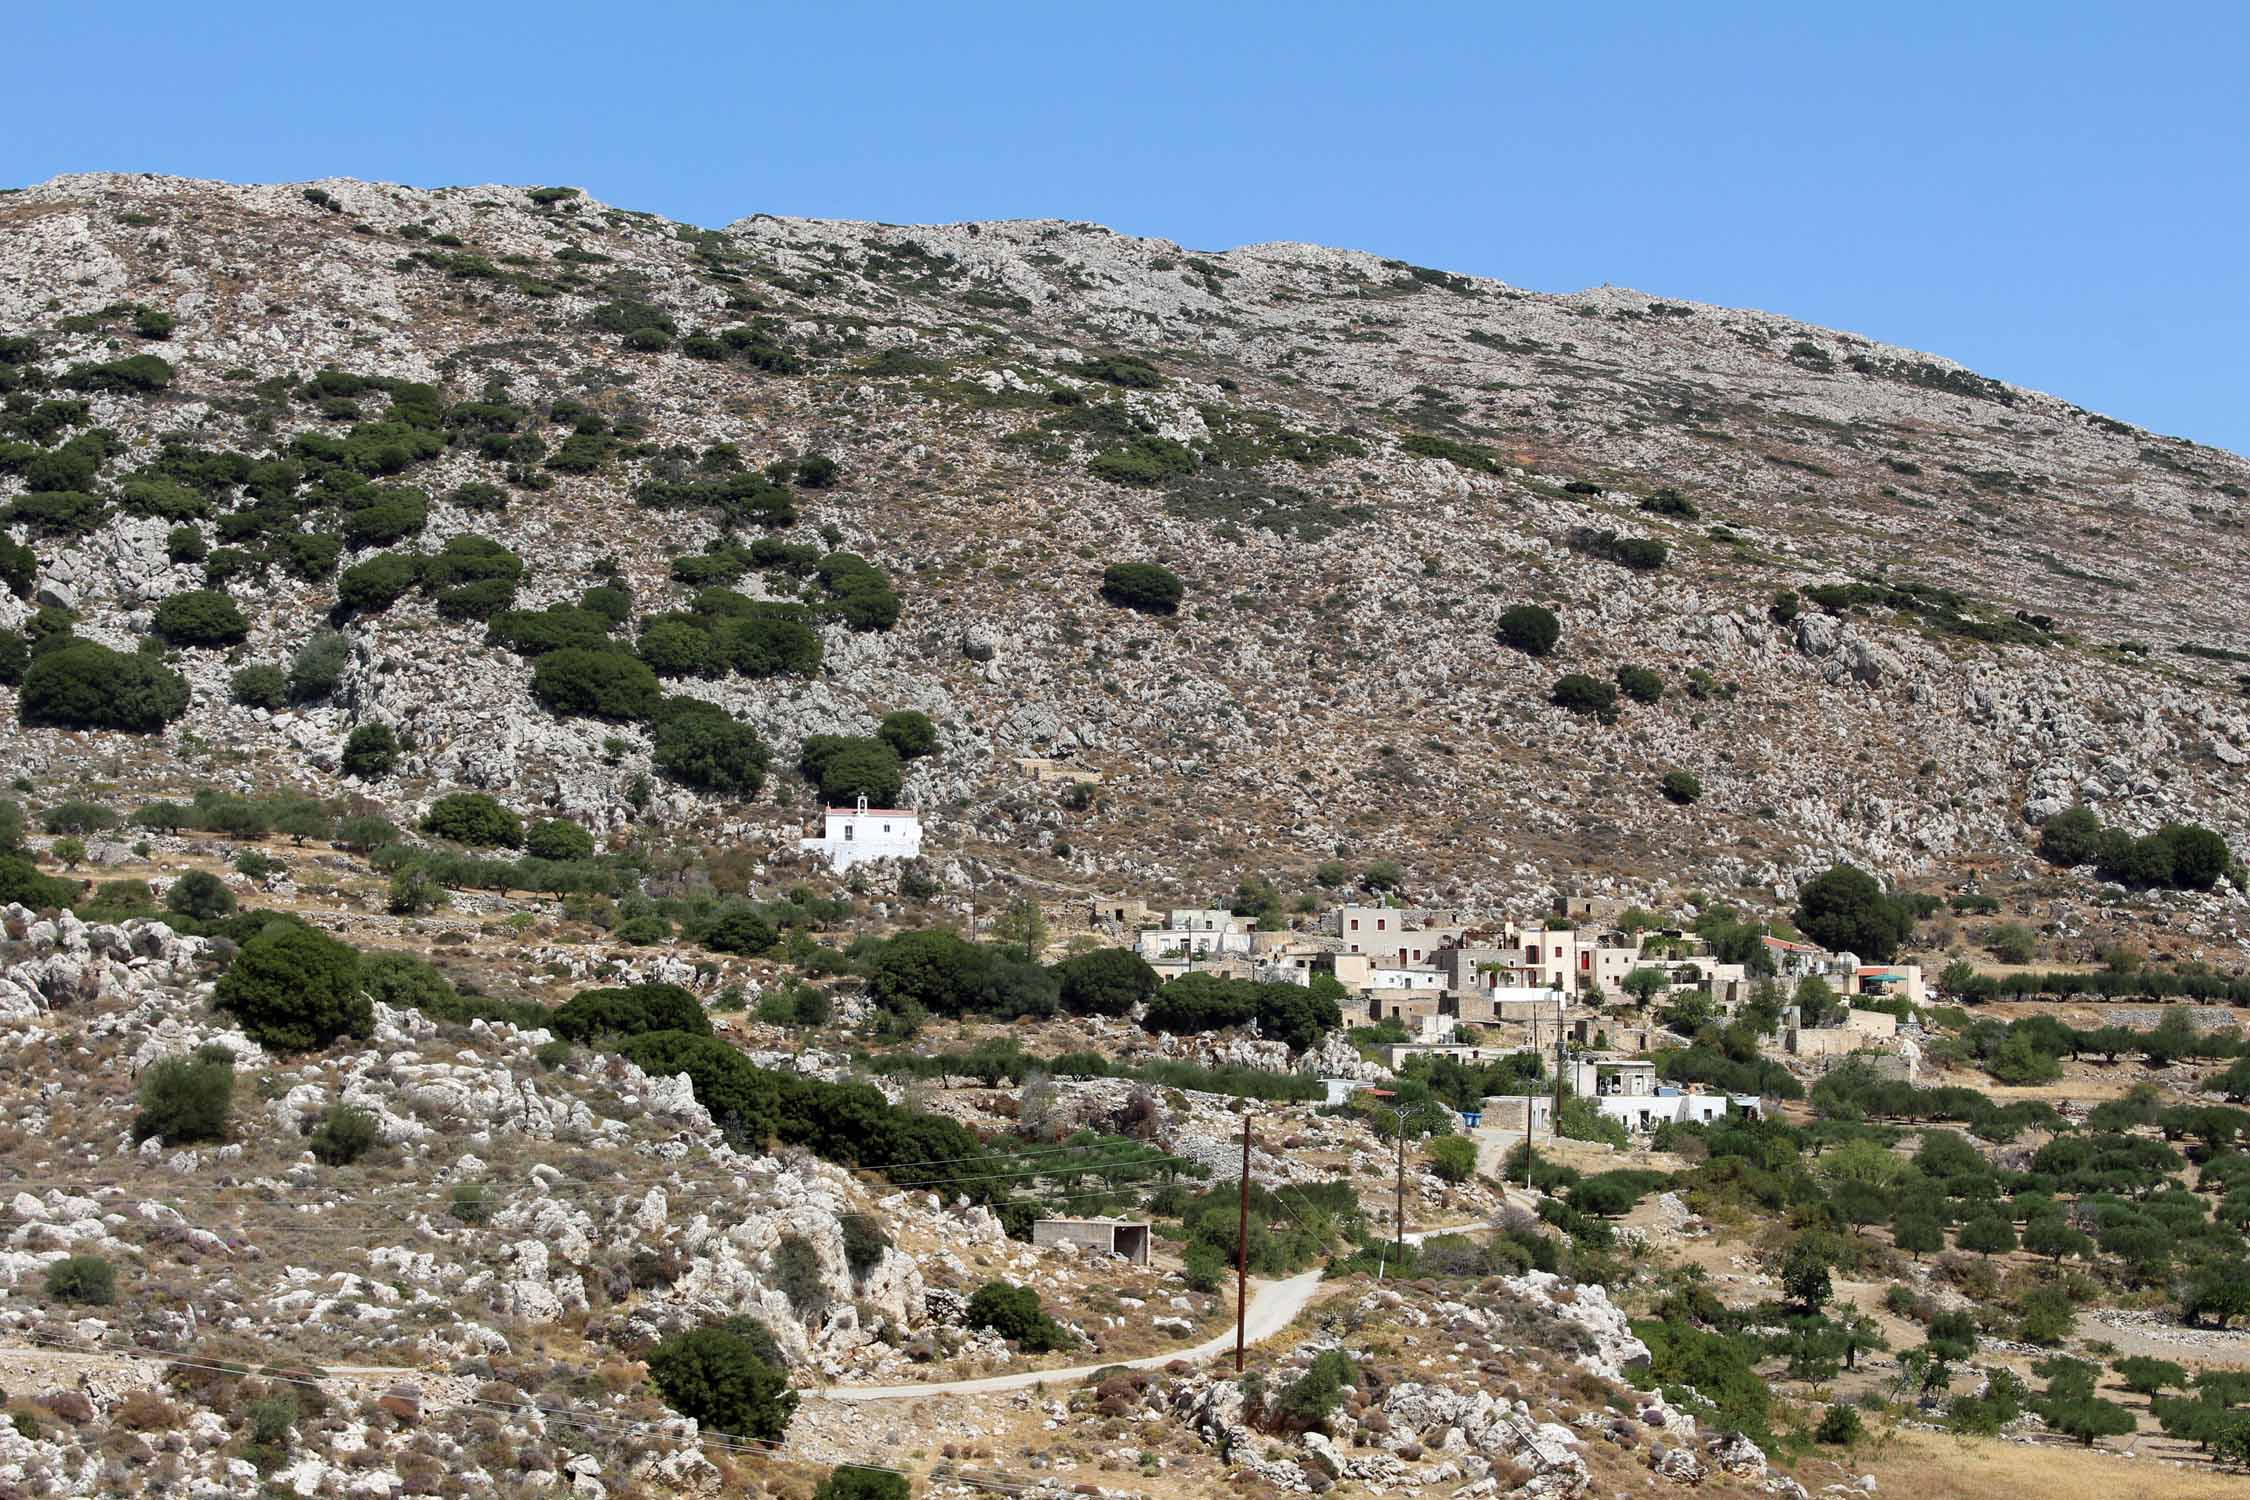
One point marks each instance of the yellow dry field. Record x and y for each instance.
(1934, 1466)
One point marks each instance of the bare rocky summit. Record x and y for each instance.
(1355, 466)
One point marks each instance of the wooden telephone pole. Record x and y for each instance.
(1242, 1250)
(1398, 1212)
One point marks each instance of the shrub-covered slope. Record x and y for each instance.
(515, 474)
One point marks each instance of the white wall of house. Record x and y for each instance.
(855, 835)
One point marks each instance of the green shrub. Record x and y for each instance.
(477, 601)
(1453, 1158)
(1105, 982)
(846, 768)
(558, 839)
(1845, 910)
(184, 1100)
(865, 1244)
(318, 666)
(1640, 684)
(475, 819)
(1146, 587)
(370, 751)
(1014, 1313)
(677, 647)
(259, 687)
(19, 565)
(1531, 629)
(796, 1272)
(1305, 1403)
(80, 685)
(392, 515)
(710, 750)
(135, 376)
(343, 1135)
(718, 1377)
(77, 816)
(294, 989)
(854, 1482)
(22, 882)
(1840, 1426)
(595, 684)
(378, 583)
(1681, 787)
(200, 617)
(1582, 694)
(909, 732)
(629, 1011)
(471, 1203)
(82, 1281)
(199, 895)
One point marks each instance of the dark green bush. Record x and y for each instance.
(80, 685)
(596, 684)
(377, 583)
(294, 989)
(909, 732)
(1147, 587)
(475, 819)
(1845, 910)
(1641, 684)
(82, 1281)
(846, 768)
(259, 687)
(629, 1011)
(854, 1482)
(1582, 694)
(370, 751)
(1014, 1313)
(390, 516)
(477, 601)
(77, 816)
(718, 1377)
(1681, 787)
(1531, 629)
(199, 895)
(135, 376)
(707, 748)
(22, 883)
(343, 1135)
(558, 839)
(318, 666)
(1105, 982)
(200, 617)
(184, 1100)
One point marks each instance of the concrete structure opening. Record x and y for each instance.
(1111, 1236)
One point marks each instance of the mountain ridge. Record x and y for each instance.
(1379, 459)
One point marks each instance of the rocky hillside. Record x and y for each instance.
(1992, 603)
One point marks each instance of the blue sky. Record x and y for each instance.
(2054, 194)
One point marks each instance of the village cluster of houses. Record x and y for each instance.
(1434, 972)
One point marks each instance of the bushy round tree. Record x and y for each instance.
(596, 684)
(1532, 629)
(709, 749)
(1845, 910)
(200, 617)
(628, 1011)
(1149, 588)
(558, 839)
(475, 819)
(909, 732)
(259, 686)
(370, 751)
(80, 685)
(1105, 982)
(294, 989)
(717, 1376)
(201, 895)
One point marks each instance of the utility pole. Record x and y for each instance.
(1400, 1212)
(1554, 1122)
(1242, 1250)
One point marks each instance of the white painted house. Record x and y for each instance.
(855, 835)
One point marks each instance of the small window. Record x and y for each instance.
(849, 830)
(1355, 928)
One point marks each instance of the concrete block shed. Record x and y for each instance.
(1110, 1236)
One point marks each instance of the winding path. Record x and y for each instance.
(1274, 1305)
